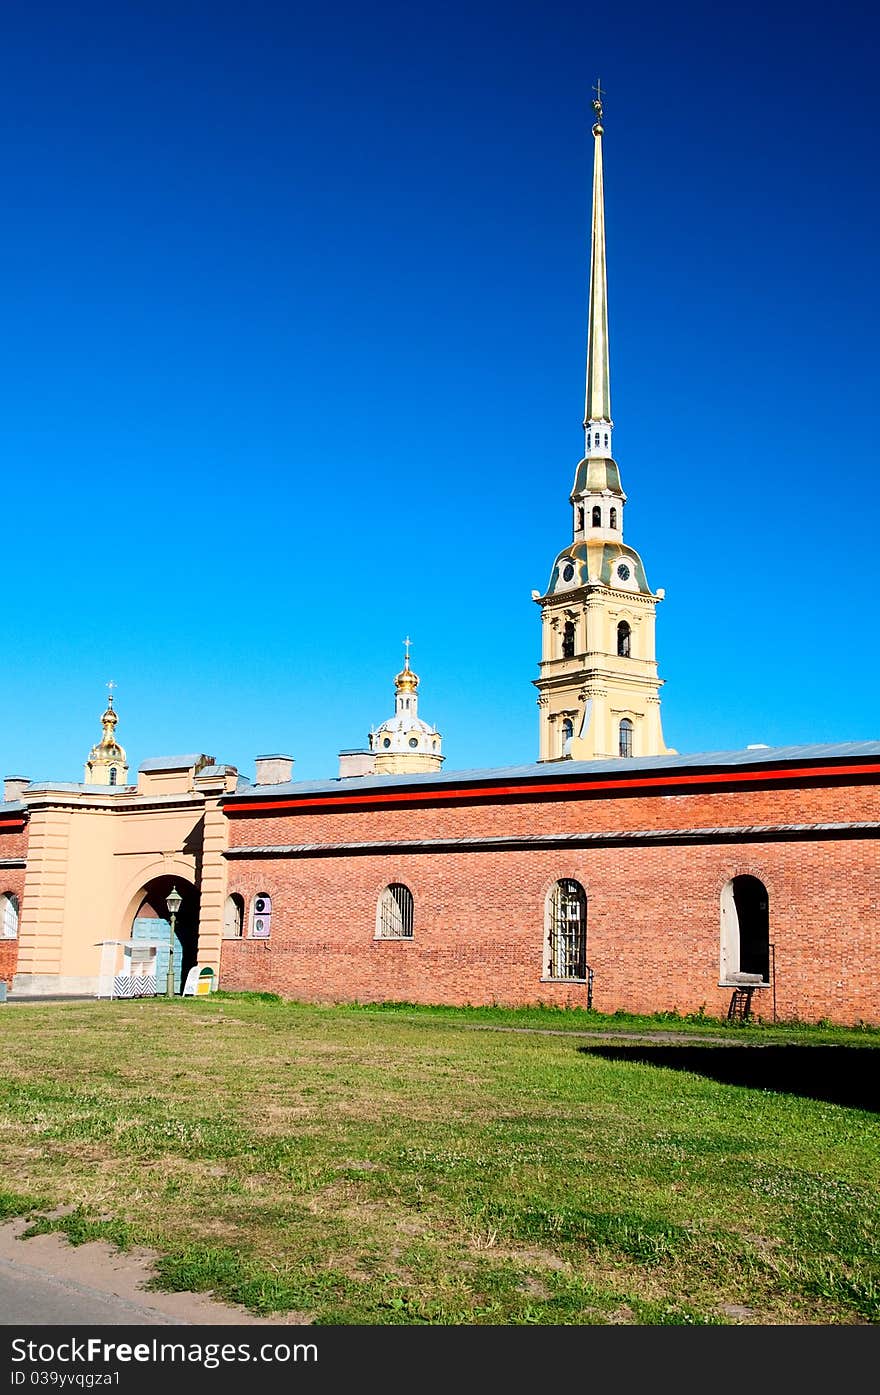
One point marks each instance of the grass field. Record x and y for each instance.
(398, 1165)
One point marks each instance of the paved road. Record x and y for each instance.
(29, 1296)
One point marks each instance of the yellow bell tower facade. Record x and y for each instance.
(598, 690)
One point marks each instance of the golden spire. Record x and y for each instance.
(598, 398)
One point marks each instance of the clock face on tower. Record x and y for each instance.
(567, 572)
(623, 571)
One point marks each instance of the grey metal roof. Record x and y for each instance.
(572, 769)
(174, 762)
(12, 806)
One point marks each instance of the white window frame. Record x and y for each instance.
(10, 913)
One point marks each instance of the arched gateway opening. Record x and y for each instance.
(151, 922)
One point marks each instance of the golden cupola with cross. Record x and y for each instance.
(598, 690)
(405, 743)
(107, 764)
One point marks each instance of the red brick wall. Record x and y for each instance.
(653, 910)
(13, 844)
(577, 814)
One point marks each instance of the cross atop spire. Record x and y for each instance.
(110, 686)
(408, 643)
(597, 103)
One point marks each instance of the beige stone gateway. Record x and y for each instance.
(102, 857)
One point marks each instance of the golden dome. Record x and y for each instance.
(406, 681)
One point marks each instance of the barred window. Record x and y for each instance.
(394, 913)
(624, 639)
(567, 930)
(626, 738)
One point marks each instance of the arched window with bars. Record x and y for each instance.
(566, 931)
(394, 913)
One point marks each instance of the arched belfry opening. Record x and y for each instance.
(151, 922)
(745, 932)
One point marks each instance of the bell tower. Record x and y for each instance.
(107, 764)
(598, 690)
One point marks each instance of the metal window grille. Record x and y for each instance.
(568, 930)
(626, 737)
(396, 913)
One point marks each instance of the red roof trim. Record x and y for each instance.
(489, 792)
(18, 821)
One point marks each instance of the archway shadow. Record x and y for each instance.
(846, 1075)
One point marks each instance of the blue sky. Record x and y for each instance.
(295, 315)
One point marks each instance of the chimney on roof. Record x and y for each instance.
(14, 787)
(273, 770)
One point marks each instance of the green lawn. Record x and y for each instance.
(394, 1164)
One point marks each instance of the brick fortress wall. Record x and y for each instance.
(653, 937)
